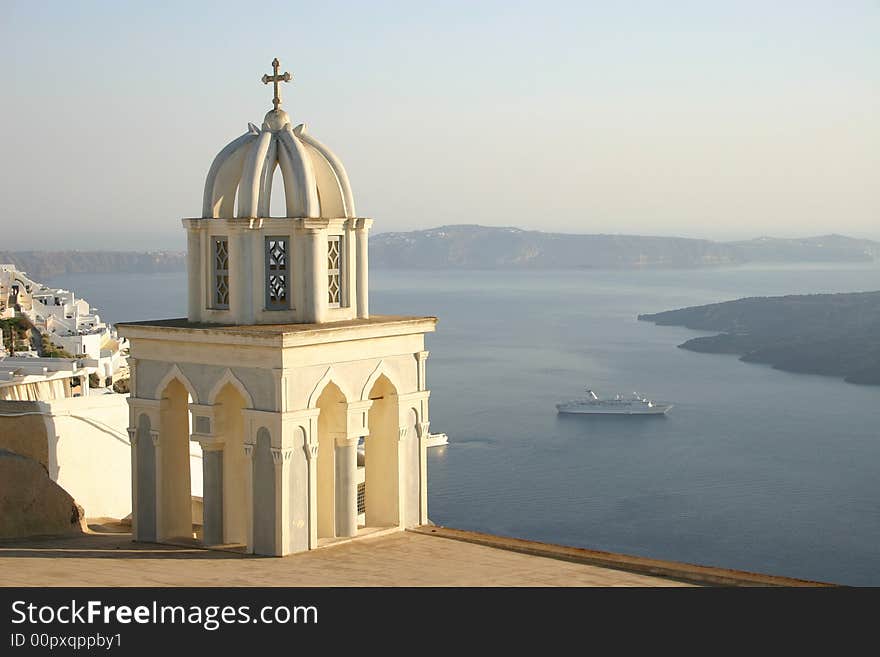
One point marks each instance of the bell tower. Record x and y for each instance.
(306, 415)
(246, 267)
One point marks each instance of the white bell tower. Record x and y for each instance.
(309, 266)
(311, 415)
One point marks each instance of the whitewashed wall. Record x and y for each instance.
(90, 453)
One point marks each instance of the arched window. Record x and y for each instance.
(334, 271)
(277, 273)
(220, 271)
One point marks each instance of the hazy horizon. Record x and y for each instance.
(674, 119)
(181, 248)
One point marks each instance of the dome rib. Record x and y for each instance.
(269, 164)
(329, 190)
(222, 179)
(251, 177)
(300, 188)
(337, 167)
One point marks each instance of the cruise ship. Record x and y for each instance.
(635, 405)
(437, 440)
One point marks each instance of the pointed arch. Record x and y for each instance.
(176, 373)
(230, 378)
(381, 368)
(323, 382)
(268, 173)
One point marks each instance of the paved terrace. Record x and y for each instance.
(428, 556)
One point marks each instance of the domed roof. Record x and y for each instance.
(315, 182)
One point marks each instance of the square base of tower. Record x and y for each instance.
(292, 431)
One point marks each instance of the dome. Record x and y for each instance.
(315, 182)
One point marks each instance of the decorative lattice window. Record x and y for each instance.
(362, 499)
(277, 273)
(220, 264)
(334, 263)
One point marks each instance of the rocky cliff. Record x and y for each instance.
(831, 334)
(47, 264)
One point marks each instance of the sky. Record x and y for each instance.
(720, 120)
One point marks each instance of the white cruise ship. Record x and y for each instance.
(635, 405)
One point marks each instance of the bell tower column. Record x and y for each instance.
(194, 273)
(363, 284)
(346, 485)
(315, 296)
(240, 275)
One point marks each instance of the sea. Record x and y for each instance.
(754, 468)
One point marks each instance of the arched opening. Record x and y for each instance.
(229, 404)
(331, 424)
(277, 197)
(175, 508)
(381, 460)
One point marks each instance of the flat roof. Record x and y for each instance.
(424, 556)
(397, 559)
(289, 334)
(276, 329)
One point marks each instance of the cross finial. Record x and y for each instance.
(275, 79)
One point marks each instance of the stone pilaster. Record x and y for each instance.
(423, 472)
(267, 484)
(282, 378)
(311, 448)
(249, 487)
(241, 303)
(195, 299)
(402, 445)
(315, 293)
(132, 376)
(281, 460)
(132, 441)
(421, 357)
(212, 493)
(144, 486)
(362, 282)
(155, 437)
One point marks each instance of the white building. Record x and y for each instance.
(42, 379)
(48, 413)
(279, 370)
(68, 322)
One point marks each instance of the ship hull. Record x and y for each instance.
(658, 409)
(437, 440)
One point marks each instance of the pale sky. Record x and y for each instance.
(701, 119)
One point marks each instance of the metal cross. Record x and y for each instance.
(275, 79)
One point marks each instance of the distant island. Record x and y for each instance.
(49, 264)
(830, 334)
(483, 247)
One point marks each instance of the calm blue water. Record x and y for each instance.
(754, 468)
